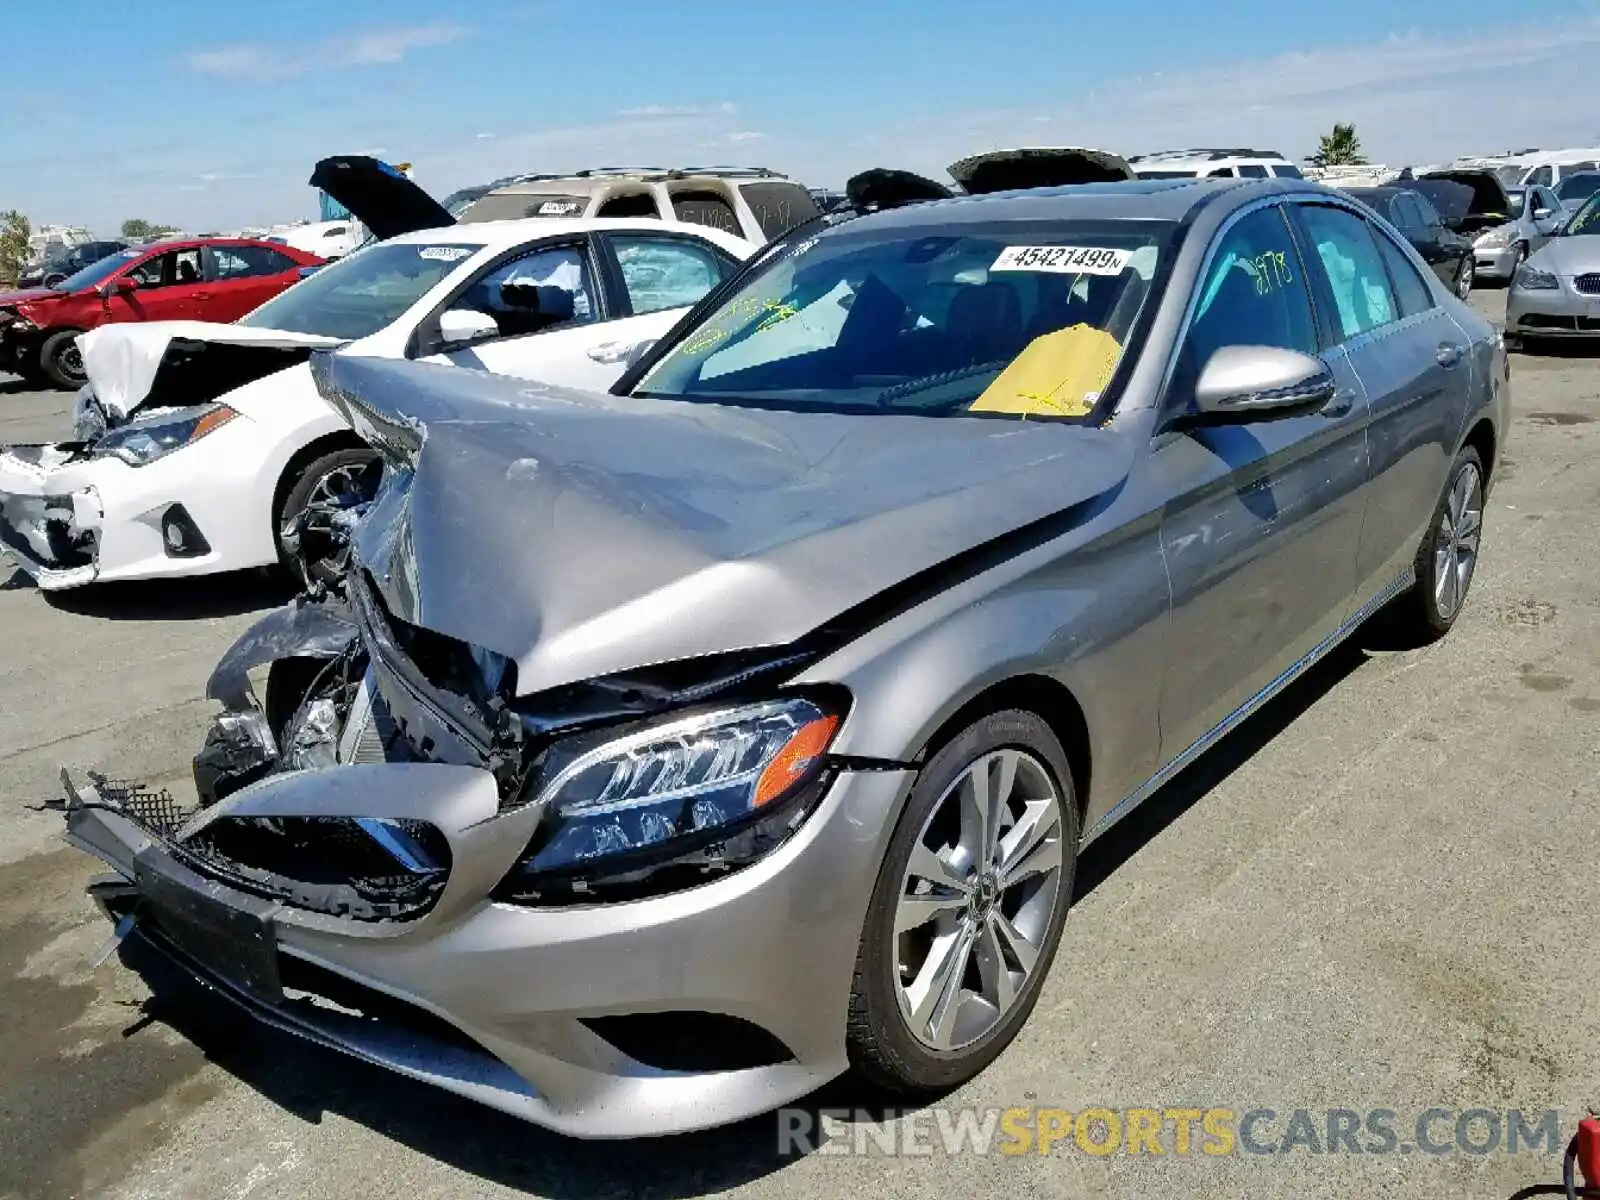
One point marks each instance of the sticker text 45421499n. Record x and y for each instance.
(1063, 260)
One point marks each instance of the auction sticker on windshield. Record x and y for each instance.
(1063, 260)
(444, 253)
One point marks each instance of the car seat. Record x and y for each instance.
(985, 323)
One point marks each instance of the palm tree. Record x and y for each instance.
(14, 252)
(1339, 149)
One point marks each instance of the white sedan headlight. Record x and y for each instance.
(139, 443)
(1495, 239)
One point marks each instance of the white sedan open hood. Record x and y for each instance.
(121, 361)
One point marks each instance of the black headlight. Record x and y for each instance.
(667, 805)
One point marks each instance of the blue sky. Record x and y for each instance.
(209, 115)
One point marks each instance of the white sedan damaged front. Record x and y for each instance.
(118, 500)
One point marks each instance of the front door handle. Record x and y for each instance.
(1449, 354)
(1343, 400)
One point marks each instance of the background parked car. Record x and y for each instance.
(1556, 292)
(1536, 214)
(50, 271)
(1413, 214)
(200, 280)
(750, 202)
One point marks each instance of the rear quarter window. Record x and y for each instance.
(706, 208)
(779, 207)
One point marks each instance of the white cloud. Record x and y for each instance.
(747, 135)
(260, 62)
(656, 111)
(483, 137)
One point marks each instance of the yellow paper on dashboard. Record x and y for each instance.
(1059, 374)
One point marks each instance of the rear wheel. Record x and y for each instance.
(338, 479)
(1448, 557)
(968, 908)
(61, 361)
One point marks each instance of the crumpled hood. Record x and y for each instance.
(583, 534)
(122, 361)
(1569, 255)
(27, 295)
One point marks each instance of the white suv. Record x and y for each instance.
(1213, 164)
(749, 202)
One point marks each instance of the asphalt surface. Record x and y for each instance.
(1378, 894)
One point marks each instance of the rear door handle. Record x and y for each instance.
(1449, 354)
(611, 352)
(1343, 400)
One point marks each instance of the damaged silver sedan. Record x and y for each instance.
(664, 754)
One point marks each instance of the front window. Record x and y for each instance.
(363, 293)
(1021, 319)
(540, 290)
(98, 272)
(1166, 174)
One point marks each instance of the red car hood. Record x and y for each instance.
(12, 299)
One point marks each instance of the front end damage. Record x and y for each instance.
(358, 869)
(110, 502)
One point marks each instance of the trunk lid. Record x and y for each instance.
(1038, 167)
(379, 196)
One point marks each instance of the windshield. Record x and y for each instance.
(362, 292)
(1586, 221)
(1578, 187)
(1511, 174)
(1023, 319)
(1519, 200)
(98, 272)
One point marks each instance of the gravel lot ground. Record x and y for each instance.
(1378, 894)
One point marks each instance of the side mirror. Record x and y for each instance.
(1259, 383)
(121, 285)
(1541, 214)
(463, 326)
(636, 355)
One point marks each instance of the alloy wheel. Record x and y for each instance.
(977, 898)
(340, 487)
(71, 362)
(1466, 277)
(1455, 544)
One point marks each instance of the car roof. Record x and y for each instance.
(1144, 199)
(585, 182)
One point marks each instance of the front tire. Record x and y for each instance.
(338, 477)
(61, 361)
(968, 908)
(1466, 276)
(1448, 557)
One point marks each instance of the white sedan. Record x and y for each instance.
(197, 445)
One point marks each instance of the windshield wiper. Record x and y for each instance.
(928, 382)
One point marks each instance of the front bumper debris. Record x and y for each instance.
(52, 534)
(526, 1010)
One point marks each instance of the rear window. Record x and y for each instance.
(1166, 174)
(779, 207)
(706, 208)
(514, 206)
(1287, 171)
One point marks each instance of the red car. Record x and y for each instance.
(202, 279)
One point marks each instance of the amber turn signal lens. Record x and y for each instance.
(797, 757)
